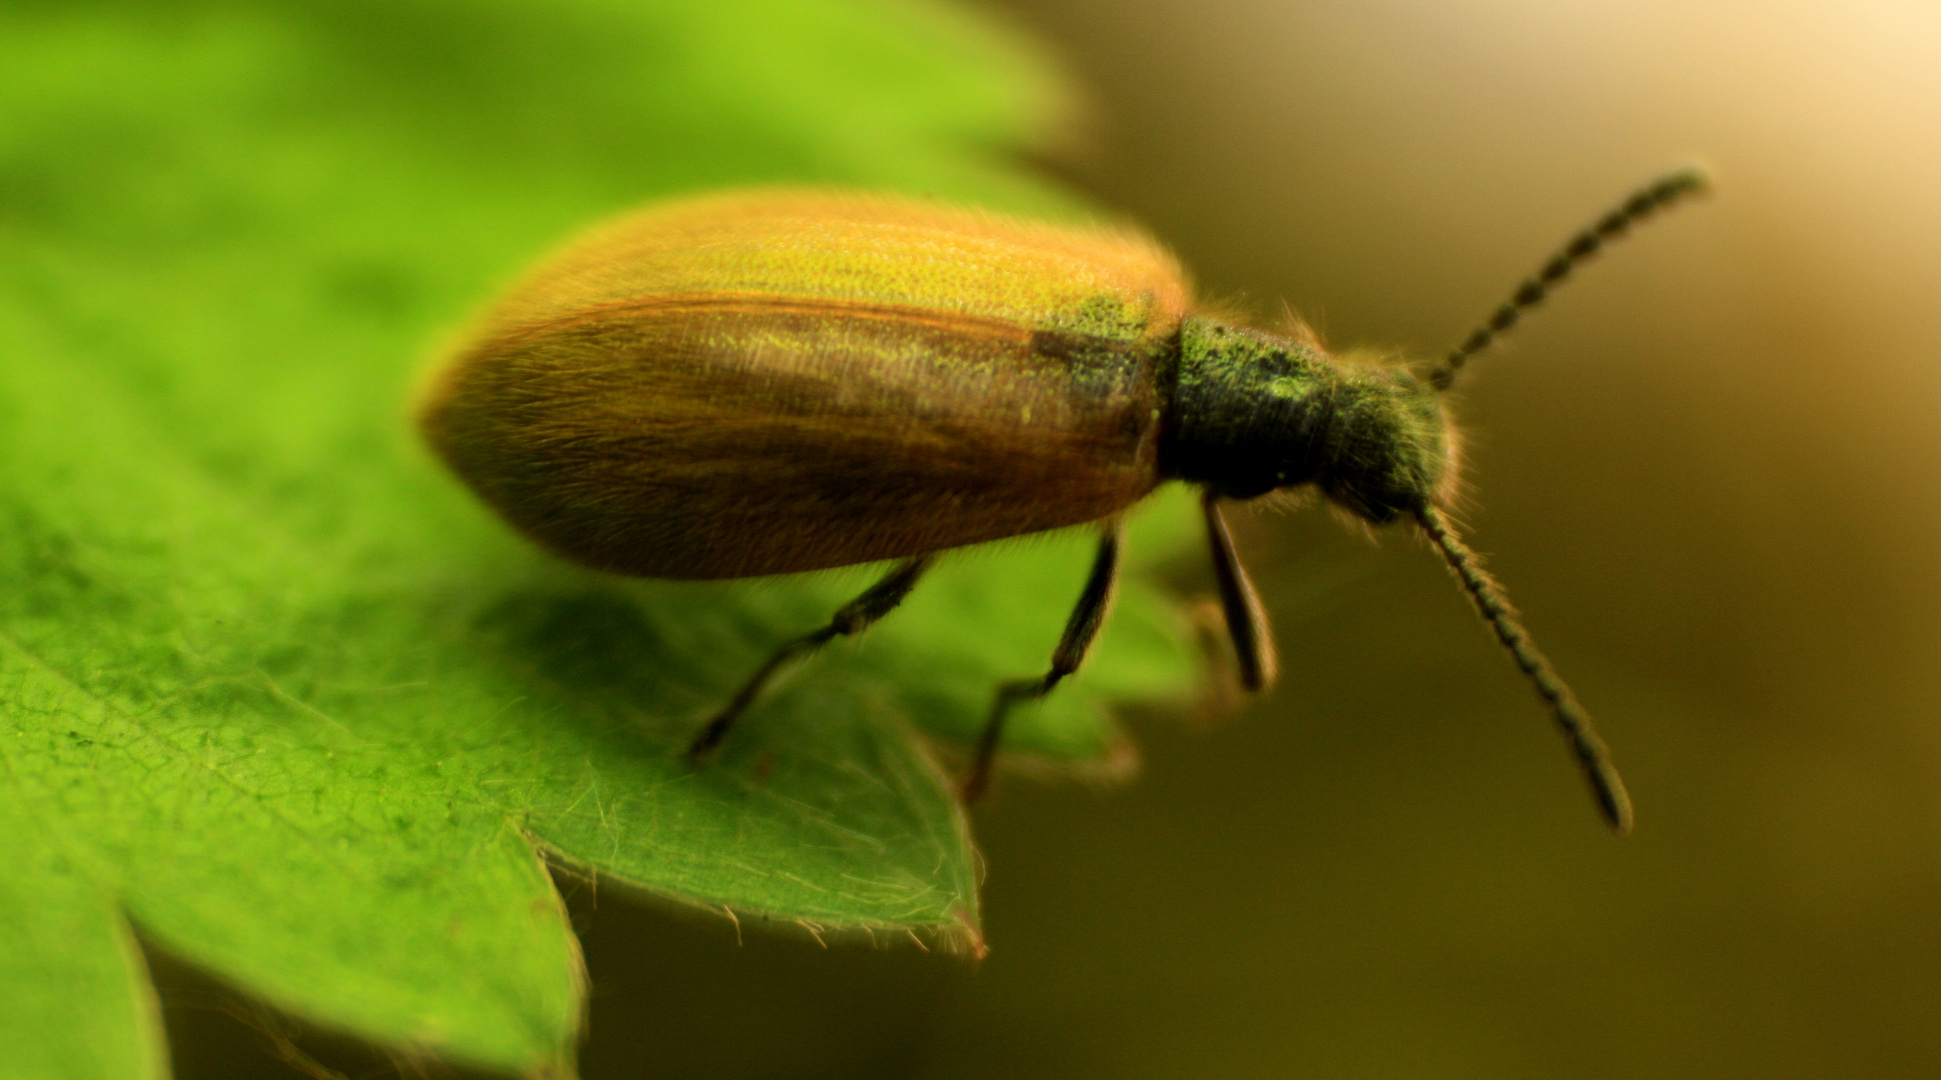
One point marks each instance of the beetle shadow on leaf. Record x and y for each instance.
(636, 669)
(605, 655)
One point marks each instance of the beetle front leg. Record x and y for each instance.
(1080, 630)
(1253, 640)
(853, 618)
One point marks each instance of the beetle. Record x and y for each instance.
(781, 380)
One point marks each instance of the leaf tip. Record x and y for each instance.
(961, 935)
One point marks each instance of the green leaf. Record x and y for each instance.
(279, 693)
(76, 1000)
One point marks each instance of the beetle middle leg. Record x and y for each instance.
(1080, 630)
(852, 618)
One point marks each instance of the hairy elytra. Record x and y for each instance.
(772, 381)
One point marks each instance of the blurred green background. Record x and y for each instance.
(1708, 474)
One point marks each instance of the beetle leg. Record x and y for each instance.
(1253, 640)
(1080, 630)
(852, 618)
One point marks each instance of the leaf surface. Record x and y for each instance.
(274, 690)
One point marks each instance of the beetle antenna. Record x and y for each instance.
(1606, 786)
(1641, 204)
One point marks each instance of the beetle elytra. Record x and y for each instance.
(774, 381)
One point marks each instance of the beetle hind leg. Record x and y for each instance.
(852, 618)
(1080, 631)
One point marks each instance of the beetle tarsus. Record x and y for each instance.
(717, 727)
(852, 618)
(1080, 631)
(978, 780)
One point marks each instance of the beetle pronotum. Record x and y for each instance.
(774, 381)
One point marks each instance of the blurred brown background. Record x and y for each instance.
(1709, 472)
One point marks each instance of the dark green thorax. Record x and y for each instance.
(1254, 411)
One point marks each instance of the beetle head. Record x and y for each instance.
(1389, 449)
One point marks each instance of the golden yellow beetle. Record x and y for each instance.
(774, 381)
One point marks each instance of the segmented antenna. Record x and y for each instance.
(1606, 786)
(1643, 203)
